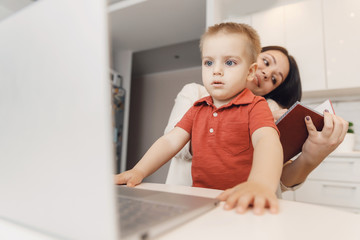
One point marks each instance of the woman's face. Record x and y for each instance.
(273, 68)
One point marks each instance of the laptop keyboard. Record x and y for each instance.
(140, 214)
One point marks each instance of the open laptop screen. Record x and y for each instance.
(56, 154)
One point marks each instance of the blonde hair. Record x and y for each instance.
(254, 46)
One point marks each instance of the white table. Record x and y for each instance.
(294, 221)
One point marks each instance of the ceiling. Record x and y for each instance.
(164, 34)
(138, 25)
(156, 23)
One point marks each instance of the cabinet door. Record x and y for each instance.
(289, 195)
(243, 19)
(304, 40)
(342, 37)
(343, 169)
(329, 193)
(270, 26)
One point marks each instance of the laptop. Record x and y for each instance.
(56, 147)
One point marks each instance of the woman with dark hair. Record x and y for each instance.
(287, 93)
(278, 80)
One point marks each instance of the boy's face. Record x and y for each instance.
(225, 66)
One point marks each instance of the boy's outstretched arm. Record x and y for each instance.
(259, 190)
(158, 154)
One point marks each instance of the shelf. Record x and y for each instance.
(345, 154)
(333, 94)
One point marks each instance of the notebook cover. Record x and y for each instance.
(293, 131)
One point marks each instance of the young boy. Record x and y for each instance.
(234, 140)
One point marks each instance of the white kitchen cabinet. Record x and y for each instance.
(270, 33)
(304, 40)
(335, 182)
(244, 19)
(322, 35)
(298, 27)
(288, 195)
(269, 24)
(330, 193)
(342, 37)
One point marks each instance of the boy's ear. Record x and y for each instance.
(252, 70)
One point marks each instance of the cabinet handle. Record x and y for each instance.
(337, 186)
(341, 162)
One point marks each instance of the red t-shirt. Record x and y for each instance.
(221, 138)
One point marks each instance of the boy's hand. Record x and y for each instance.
(249, 194)
(131, 178)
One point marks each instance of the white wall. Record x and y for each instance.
(152, 100)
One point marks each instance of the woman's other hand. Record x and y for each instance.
(319, 145)
(316, 148)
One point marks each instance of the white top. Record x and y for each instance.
(180, 167)
(294, 221)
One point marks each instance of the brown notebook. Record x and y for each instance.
(292, 127)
